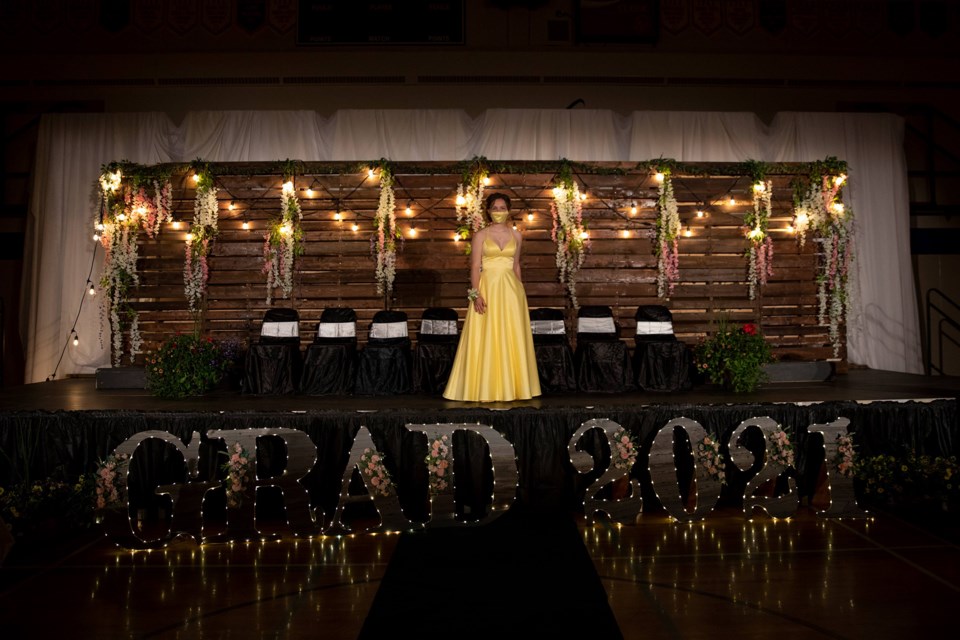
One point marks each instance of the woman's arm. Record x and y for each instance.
(476, 256)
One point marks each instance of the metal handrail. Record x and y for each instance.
(945, 319)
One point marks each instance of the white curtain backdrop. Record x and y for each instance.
(883, 331)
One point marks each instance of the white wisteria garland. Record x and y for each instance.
(469, 202)
(667, 238)
(760, 263)
(283, 243)
(385, 236)
(569, 233)
(196, 272)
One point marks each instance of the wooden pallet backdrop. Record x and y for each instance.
(432, 270)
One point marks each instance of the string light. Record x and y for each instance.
(413, 232)
(91, 289)
(196, 177)
(190, 237)
(175, 224)
(659, 176)
(371, 173)
(838, 207)
(245, 225)
(626, 233)
(633, 208)
(355, 227)
(486, 180)
(583, 195)
(759, 187)
(687, 232)
(584, 235)
(699, 213)
(790, 229)
(76, 339)
(338, 216)
(456, 237)
(309, 192)
(288, 187)
(839, 180)
(529, 217)
(408, 210)
(231, 206)
(96, 237)
(461, 200)
(286, 229)
(732, 202)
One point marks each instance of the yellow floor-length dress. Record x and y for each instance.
(495, 360)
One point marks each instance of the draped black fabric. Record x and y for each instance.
(338, 314)
(67, 443)
(329, 367)
(603, 366)
(272, 369)
(554, 364)
(433, 363)
(385, 368)
(663, 365)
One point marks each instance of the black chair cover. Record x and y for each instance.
(386, 363)
(435, 353)
(554, 356)
(281, 314)
(660, 361)
(330, 363)
(273, 365)
(602, 359)
(272, 369)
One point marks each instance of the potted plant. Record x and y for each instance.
(189, 365)
(734, 357)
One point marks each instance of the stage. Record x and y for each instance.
(74, 425)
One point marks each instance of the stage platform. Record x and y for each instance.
(72, 425)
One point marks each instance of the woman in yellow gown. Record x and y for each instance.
(495, 359)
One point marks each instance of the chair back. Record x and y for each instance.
(280, 326)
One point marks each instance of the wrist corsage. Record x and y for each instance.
(472, 294)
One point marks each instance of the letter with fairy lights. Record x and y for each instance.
(367, 461)
(620, 510)
(708, 471)
(301, 454)
(776, 460)
(503, 468)
(185, 497)
(838, 459)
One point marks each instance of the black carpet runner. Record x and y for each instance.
(521, 574)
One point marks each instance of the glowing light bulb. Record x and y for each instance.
(175, 224)
(76, 339)
(408, 211)
(190, 237)
(584, 235)
(583, 195)
(371, 173)
(699, 213)
(838, 207)
(355, 227)
(461, 201)
(732, 202)
(759, 187)
(486, 180)
(309, 192)
(659, 176)
(790, 228)
(100, 227)
(288, 187)
(456, 237)
(231, 206)
(557, 191)
(92, 291)
(413, 232)
(286, 230)
(626, 233)
(338, 216)
(96, 237)
(839, 180)
(802, 219)
(755, 234)
(633, 209)
(687, 233)
(196, 177)
(245, 225)
(514, 226)
(529, 217)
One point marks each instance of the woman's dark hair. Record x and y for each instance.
(493, 197)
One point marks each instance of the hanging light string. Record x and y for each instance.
(73, 330)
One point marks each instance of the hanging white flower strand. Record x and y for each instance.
(385, 236)
(568, 232)
(667, 238)
(116, 229)
(820, 212)
(205, 211)
(283, 243)
(469, 202)
(760, 265)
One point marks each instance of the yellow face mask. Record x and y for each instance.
(499, 216)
